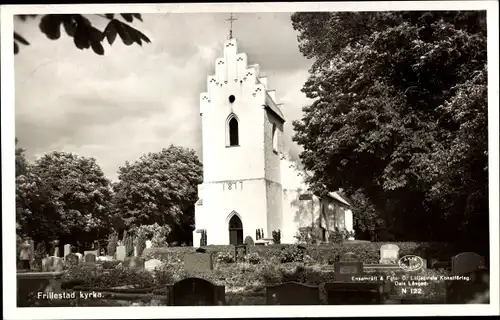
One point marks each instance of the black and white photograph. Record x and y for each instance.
(281, 156)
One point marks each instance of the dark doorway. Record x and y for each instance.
(235, 231)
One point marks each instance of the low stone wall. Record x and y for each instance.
(32, 283)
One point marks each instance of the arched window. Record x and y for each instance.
(233, 132)
(275, 138)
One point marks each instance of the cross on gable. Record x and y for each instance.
(231, 19)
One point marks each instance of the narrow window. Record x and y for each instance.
(275, 138)
(233, 132)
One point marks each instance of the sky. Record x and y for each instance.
(135, 100)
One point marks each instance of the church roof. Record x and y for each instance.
(336, 196)
(275, 110)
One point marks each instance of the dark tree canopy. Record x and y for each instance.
(84, 34)
(399, 118)
(160, 187)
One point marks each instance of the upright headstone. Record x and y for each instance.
(149, 244)
(292, 293)
(195, 292)
(120, 253)
(56, 251)
(67, 249)
(72, 260)
(466, 262)
(80, 256)
(389, 254)
(152, 264)
(346, 270)
(94, 252)
(198, 262)
(90, 258)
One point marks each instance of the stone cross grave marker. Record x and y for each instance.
(72, 260)
(195, 292)
(389, 254)
(292, 293)
(121, 253)
(466, 262)
(198, 262)
(67, 249)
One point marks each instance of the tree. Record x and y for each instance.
(158, 188)
(21, 162)
(399, 116)
(63, 196)
(84, 34)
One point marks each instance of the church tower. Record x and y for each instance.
(242, 136)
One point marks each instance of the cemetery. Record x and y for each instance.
(302, 274)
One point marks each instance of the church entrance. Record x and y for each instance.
(235, 231)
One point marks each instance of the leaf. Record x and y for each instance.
(69, 26)
(19, 38)
(81, 38)
(50, 25)
(137, 16)
(97, 47)
(128, 17)
(110, 32)
(122, 32)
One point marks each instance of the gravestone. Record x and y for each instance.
(56, 251)
(67, 249)
(292, 293)
(134, 263)
(24, 255)
(90, 258)
(80, 256)
(345, 270)
(198, 262)
(389, 254)
(240, 251)
(52, 264)
(72, 260)
(121, 253)
(149, 244)
(466, 262)
(249, 241)
(94, 252)
(195, 292)
(152, 264)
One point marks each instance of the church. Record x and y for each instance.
(250, 184)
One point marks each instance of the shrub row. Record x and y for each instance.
(326, 253)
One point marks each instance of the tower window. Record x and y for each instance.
(233, 132)
(275, 138)
(231, 98)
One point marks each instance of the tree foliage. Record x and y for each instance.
(84, 34)
(399, 116)
(63, 196)
(158, 188)
(21, 162)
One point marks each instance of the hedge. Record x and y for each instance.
(368, 252)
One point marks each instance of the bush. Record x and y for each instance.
(277, 237)
(253, 258)
(291, 254)
(128, 241)
(109, 264)
(91, 277)
(225, 257)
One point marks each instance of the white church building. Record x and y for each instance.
(249, 183)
